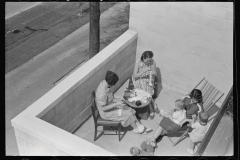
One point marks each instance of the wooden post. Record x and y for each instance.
(94, 35)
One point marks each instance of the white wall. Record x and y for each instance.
(190, 40)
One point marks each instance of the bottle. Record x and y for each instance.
(150, 79)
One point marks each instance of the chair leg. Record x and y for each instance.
(95, 134)
(182, 137)
(119, 130)
(170, 140)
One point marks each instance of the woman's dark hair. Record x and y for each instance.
(146, 54)
(111, 78)
(197, 95)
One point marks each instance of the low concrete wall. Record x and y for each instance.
(75, 107)
(40, 128)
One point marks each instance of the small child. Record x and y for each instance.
(178, 114)
(200, 128)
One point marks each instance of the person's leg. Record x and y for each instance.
(158, 132)
(192, 145)
(191, 148)
(151, 106)
(134, 125)
(138, 123)
(138, 127)
(156, 109)
(151, 109)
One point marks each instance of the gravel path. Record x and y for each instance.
(27, 83)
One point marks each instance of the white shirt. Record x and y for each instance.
(178, 116)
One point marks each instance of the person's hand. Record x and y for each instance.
(146, 69)
(194, 117)
(154, 74)
(119, 104)
(166, 115)
(189, 124)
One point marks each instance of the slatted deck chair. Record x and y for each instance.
(98, 121)
(211, 95)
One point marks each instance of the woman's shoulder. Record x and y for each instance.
(100, 89)
(186, 98)
(153, 62)
(138, 61)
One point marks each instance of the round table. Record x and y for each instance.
(142, 111)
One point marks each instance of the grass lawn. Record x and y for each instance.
(41, 27)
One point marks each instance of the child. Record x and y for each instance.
(200, 128)
(178, 114)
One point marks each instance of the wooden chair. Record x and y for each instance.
(98, 121)
(210, 96)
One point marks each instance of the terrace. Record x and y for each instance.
(60, 122)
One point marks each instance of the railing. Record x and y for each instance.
(214, 125)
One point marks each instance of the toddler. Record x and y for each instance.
(178, 114)
(200, 128)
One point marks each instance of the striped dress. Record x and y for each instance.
(105, 97)
(143, 82)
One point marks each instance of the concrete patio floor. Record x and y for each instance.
(110, 142)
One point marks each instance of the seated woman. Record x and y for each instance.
(143, 77)
(112, 109)
(193, 105)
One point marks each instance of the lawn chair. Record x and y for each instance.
(98, 121)
(211, 95)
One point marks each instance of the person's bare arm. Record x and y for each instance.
(153, 68)
(136, 74)
(112, 105)
(167, 116)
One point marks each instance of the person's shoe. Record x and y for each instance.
(156, 108)
(159, 138)
(152, 115)
(190, 151)
(141, 129)
(135, 130)
(146, 130)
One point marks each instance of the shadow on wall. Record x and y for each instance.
(158, 85)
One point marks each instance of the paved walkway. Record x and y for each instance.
(29, 82)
